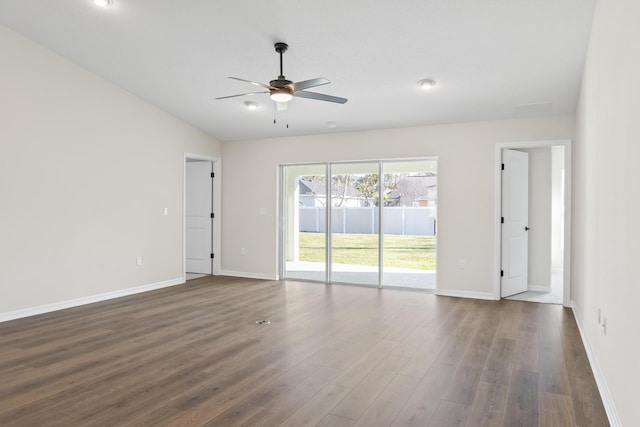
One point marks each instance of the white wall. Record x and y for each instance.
(85, 172)
(465, 189)
(539, 217)
(606, 252)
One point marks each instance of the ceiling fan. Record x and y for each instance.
(282, 90)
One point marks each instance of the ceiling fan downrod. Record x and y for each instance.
(281, 48)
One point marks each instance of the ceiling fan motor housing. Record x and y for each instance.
(281, 83)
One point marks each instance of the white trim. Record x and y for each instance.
(249, 275)
(216, 244)
(32, 311)
(466, 294)
(566, 262)
(539, 288)
(605, 394)
(566, 143)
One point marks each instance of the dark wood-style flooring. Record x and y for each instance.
(331, 356)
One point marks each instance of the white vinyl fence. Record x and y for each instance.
(415, 221)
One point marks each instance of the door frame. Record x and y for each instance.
(216, 205)
(566, 279)
(282, 250)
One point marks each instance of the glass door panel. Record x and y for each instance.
(409, 223)
(355, 223)
(304, 208)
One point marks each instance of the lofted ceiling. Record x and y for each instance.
(491, 59)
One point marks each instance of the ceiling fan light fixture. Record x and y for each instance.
(103, 3)
(281, 95)
(427, 84)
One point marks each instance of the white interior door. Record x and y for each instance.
(515, 218)
(198, 209)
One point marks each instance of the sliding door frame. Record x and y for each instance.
(328, 218)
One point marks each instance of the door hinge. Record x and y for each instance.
(501, 273)
(213, 175)
(212, 256)
(501, 219)
(212, 215)
(503, 166)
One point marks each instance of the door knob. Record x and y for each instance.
(526, 228)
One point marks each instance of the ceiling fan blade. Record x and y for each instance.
(319, 96)
(252, 82)
(242, 94)
(306, 84)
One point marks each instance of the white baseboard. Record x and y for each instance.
(539, 288)
(32, 311)
(607, 399)
(248, 275)
(466, 294)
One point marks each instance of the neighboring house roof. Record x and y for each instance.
(349, 192)
(310, 187)
(319, 189)
(415, 187)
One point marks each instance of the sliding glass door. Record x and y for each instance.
(382, 231)
(409, 224)
(354, 222)
(305, 220)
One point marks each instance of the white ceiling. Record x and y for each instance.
(487, 56)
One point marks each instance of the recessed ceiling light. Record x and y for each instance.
(103, 3)
(427, 84)
(251, 105)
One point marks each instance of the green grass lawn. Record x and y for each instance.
(418, 252)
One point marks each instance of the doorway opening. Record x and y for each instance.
(201, 207)
(381, 218)
(533, 220)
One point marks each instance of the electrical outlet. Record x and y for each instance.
(604, 325)
(462, 263)
(243, 251)
(166, 211)
(139, 260)
(599, 317)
